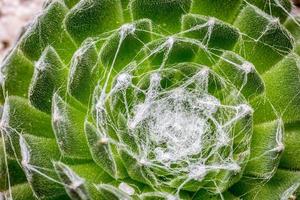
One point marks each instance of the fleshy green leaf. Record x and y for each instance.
(241, 73)
(49, 76)
(17, 110)
(284, 185)
(93, 17)
(282, 88)
(290, 158)
(68, 126)
(16, 73)
(266, 149)
(102, 151)
(265, 42)
(47, 29)
(37, 154)
(225, 10)
(164, 13)
(84, 71)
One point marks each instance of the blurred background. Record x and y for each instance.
(15, 14)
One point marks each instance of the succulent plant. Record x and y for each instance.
(153, 99)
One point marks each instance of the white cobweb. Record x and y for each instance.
(181, 128)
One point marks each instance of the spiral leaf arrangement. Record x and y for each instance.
(153, 99)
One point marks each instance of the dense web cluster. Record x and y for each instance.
(181, 128)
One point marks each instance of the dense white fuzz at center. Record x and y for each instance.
(174, 122)
(181, 128)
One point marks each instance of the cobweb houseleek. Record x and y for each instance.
(153, 99)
